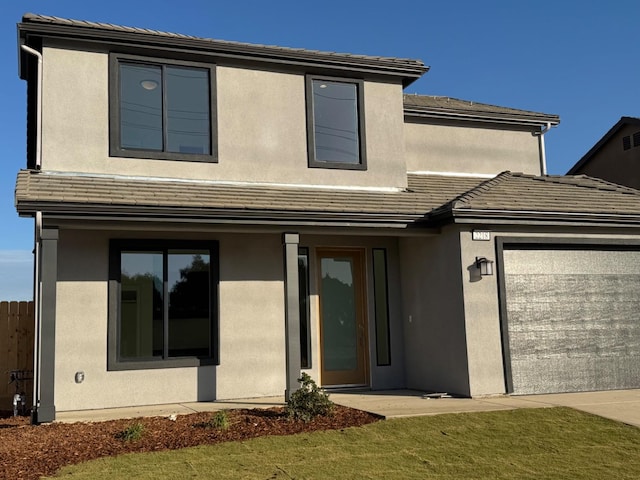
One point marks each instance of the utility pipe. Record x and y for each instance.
(37, 54)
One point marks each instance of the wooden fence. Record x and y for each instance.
(16, 350)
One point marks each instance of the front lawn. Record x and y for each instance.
(546, 443)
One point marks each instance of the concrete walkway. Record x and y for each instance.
(620, 405)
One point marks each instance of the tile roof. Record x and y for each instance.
(67, 192)
(517, 193)
(429, 199)
(44, 25)
(447, 107)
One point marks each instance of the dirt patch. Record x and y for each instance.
(29, 451)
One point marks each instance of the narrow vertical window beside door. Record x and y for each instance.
(380, 286)
(303, 289)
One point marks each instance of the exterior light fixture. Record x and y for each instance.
(149, 84)
(485, 266)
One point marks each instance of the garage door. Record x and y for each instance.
(572, 319)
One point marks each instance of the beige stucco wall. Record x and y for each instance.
(434, 315)
(482, 318)
(251, 328)
(261, 127)
(461, 148)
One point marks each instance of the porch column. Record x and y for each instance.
(44, 374)
(292, 312)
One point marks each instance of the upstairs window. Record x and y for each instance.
(335, 123)
(161, 110)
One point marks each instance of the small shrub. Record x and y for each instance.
(219, 420)
(309, 401)
(132, 433)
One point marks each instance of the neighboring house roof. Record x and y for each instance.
(612, 131)
(510, 196)
(47, 26)
(454, 109)
(428, 201)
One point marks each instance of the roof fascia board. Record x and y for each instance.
(507, 216)
(494, 118)
(409, 70)
(231, 215)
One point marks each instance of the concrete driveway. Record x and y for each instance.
(620, 405)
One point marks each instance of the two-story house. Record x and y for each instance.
(213, 217)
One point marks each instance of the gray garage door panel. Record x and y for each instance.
(573, 320)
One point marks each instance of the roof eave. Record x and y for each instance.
(222, 215)
(484, 117)
(407, 70)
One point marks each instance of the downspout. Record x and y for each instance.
(37, 240)
(543, 155)
(37, 310)
(36, 53)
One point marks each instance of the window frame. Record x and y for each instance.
(115, 148)
(116, 247)
(311, 142)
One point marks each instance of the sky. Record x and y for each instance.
(573, 58)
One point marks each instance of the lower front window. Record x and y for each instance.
(163, 304)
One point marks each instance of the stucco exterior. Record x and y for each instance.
(433, 313)
(468, 148)
(261, 135)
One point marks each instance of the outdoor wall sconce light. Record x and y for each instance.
(485, 266)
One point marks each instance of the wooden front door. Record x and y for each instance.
(343, 323)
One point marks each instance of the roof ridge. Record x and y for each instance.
(478, 190)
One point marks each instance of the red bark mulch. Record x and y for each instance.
(28, 452)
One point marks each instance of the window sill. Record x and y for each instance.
(159, 364)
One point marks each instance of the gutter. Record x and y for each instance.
(497, 118)
(501, 216)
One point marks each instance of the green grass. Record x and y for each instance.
(557, 443)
